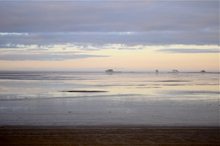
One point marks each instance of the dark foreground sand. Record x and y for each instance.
(108, 136)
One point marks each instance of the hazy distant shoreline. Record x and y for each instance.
(87, 71)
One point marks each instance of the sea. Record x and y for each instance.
(119, 98)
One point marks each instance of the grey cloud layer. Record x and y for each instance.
(151, 37)
(190, 51)
(44, 57)
(108, 16)
(193, 22)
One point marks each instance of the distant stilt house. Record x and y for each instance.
(109, 71)
(156, 71)
(202, 71)
(175, 71)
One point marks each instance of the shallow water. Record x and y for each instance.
(96, 98)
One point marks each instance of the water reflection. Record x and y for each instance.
(25, 85)
(37, 98)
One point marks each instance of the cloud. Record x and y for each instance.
(149, 22)
(190, 51)
(53, 16)
(56, 52)
(181, 48)
(68, 51)
(13, 34)
(45, 57)
(152, 37)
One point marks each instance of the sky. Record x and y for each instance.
(102, 34)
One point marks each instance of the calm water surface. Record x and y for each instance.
(173, 99)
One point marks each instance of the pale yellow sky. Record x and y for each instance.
(122, 57)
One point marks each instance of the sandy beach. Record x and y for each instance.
(108, 136)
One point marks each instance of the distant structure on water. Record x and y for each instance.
(175, 71)
(156, 71)
(109, 71)
(202, 71)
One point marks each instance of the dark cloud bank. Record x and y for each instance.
(156, 22)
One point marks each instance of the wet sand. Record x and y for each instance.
(108, 136)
